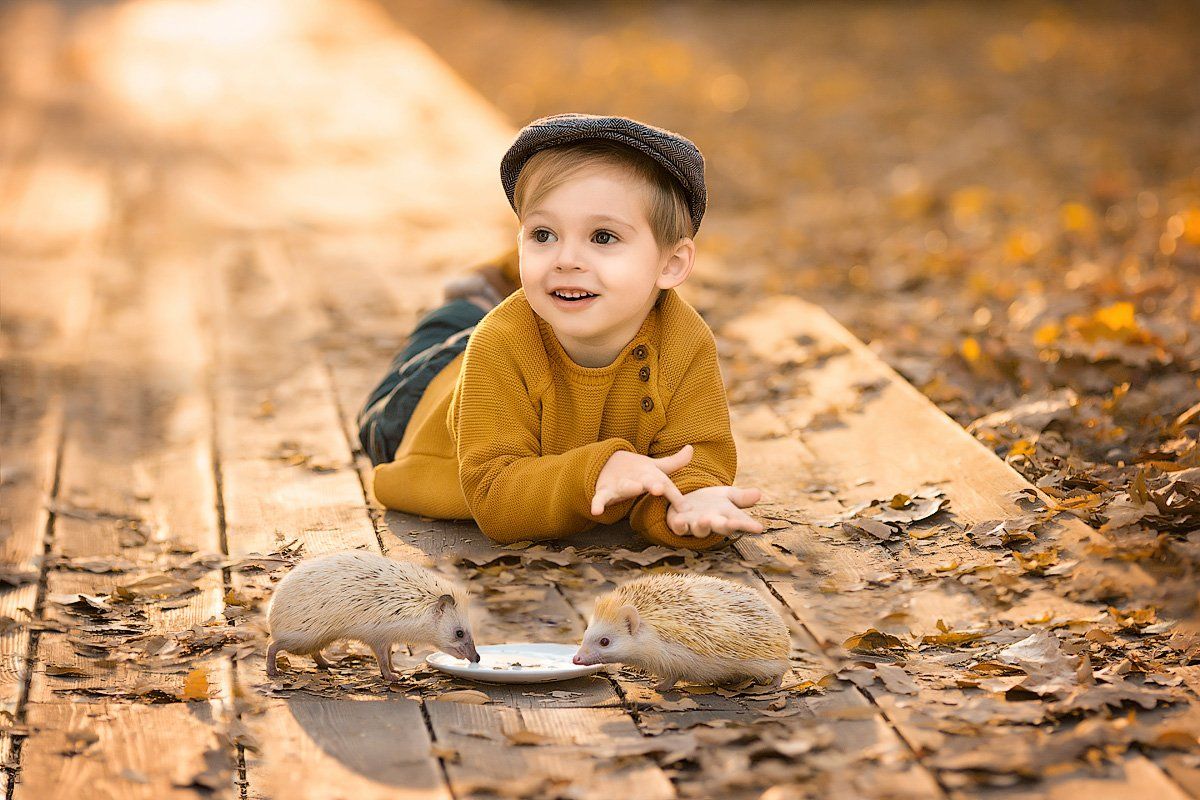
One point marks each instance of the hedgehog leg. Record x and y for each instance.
(665, 685)
(383, 654)
(320, 659)
(272, 669)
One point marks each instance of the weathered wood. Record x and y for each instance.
(264, 359)
(16, 605)
(114, 751)
(565, 755)
(137, 477)
(44, 309)
(63, 674)
(312, 748)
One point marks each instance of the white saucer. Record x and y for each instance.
(541, 662)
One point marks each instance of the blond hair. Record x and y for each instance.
(666, 205)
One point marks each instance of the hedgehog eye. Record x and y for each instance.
(458, 634)
(604, 642)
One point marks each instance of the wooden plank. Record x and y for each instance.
(311, 748)
(274, 404)
(18, 606)
(44, 310)
(63, 673)
(137, 475)
(486, 757)
(113, 751)
(264, 357)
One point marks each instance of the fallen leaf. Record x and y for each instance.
(526, 738)
(896, 680)
(872, 527)
(472, 697)
(195, 686)
(873, 641)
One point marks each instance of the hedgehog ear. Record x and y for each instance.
(629, 616)
(444, 602)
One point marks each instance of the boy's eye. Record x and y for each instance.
(611, 237)
(540, 235)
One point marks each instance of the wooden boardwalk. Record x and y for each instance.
(218, 223)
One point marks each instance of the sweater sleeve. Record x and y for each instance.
(513, 491)
(697, 414)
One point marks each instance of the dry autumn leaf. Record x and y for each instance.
(874, 641)
(472, 697)
(195, 686)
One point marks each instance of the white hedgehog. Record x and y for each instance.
(364, 596)
(688, 627)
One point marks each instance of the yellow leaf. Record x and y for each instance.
(195, 686)
(971, 350)
(1022, 245)
(1191, 225)
(1047, 335)
(1117, 317)
(1022, 447)
(1077, 217)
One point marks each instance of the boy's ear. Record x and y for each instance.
(678, 265)
(629, 616)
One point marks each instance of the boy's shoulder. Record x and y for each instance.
(510, 330)
(684, 337)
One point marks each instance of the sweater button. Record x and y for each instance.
(647, 404)
(644, 373)
(639, 352)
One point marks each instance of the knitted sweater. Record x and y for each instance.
(513, 433)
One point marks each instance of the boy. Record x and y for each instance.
(590, 393)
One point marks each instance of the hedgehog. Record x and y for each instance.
(688, 627)
(364, 596)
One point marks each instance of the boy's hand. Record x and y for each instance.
(714, 509)
(627, 475)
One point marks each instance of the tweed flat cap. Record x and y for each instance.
(676, 153)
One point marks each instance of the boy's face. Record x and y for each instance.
(591, 233)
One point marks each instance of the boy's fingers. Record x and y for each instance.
(748, 524)
(673, 495)
(743, 498)
(599, 502)
(669, 464)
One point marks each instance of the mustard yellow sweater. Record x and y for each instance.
(513, 433)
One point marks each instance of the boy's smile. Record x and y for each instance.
(590, 264)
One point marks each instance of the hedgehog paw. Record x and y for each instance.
(320, 659)
(665, 685)
(272, 668)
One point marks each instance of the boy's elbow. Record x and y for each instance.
(502, 533)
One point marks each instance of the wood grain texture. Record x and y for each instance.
(368, 749)
(480, 736)
(112, 751)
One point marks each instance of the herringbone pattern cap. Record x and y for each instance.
(681, 158)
